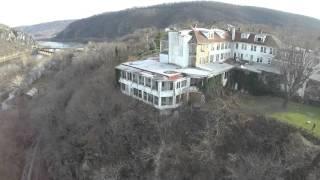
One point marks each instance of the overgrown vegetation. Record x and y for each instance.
(81, 127)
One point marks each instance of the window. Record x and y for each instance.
(170, 101)
(225, 76)
(202, 60)
(226, 45)
(156, 100)
(265, 50)
(218, 46)
(124, 74)
(211, 35)
(270, 51)
(145, 96)
(140, 94)
(255, 48)
(148, 82)
(237, 45)
(178, 85)
(202, 48)
(167, 85)
(150, 98)
(141, 80)
(251, 47)
(166, 101)
(184, 83)
(261, 49)
(269, 61)
(178, 97)
(123, 87)
(217, 57)
(212, 47)
(222, 45)
(135, 78)
(211, 58)
(163, 101)
(135, 92)
(154, 85)
(229, 45)
(129, 76)
(221, 55)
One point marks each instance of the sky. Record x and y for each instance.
(26, 12)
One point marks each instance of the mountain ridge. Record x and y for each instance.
(110, 25)
(45, 30)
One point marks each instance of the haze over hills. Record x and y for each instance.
(45, 30)
(12, 41)
(115, 24)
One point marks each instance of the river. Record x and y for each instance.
(52, 44)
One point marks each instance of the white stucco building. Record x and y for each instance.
(187, 59)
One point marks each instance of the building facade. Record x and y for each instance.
(202, 46)
(188, 58)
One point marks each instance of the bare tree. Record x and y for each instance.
(296, 67)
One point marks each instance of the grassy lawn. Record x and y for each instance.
(296, 114)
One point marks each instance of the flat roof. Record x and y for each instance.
(216, 68)
(155, 67)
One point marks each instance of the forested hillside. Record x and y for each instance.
(115, 24)
(45, 30)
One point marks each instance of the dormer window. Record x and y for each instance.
(260, 38)
(211, 35)
(245, 35)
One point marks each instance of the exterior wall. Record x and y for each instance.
(179, 49)
(164, 58)
(244, 52)
(180, 87)
(210, 53)
(219, 54)
(202, 54)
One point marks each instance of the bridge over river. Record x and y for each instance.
(48, 48)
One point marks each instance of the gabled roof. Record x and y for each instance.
(199, 38)
(269, 41)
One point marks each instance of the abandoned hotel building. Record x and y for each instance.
(189, 56)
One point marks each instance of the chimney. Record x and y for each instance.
(233, 35)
